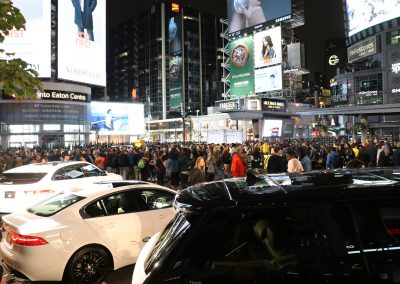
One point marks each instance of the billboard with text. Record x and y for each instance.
(268, 79)
(82, 41)
(33, 44)
(175, 83)
(242, 69)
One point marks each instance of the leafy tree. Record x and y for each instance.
(16, 78)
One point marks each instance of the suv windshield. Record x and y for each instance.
(54, 204)
(21, 178)
(167, 240)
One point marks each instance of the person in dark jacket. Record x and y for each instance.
(123, 164)
(277, 163)
(396, 155)
(198, 174)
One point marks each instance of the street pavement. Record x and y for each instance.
(121, 276)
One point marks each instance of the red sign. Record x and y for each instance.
(175, 7)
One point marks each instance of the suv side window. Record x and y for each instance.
(282, 245)
(156, 198)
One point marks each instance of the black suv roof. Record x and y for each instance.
(268, 190)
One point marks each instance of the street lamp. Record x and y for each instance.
(198, 126)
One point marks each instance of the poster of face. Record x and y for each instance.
(363, 14)
(268, 47)
(268, 79)
(33, 44)
(244, 14)
(117, 118)
(82, 41)
(272, 128)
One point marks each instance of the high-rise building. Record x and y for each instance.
(122, 63)
(169, 55)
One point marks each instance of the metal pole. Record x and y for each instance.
(79, 132)
(198, 126)
(184, 132)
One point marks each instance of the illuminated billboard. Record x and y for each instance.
(175, 83)
(268, 79)
(242, 68)
(82, 41)
(362, 14)
(272, 128)
(175, 34)
(268, 47)
(33, 44)
(117, 118)
(243, 14)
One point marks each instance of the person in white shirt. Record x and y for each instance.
(294, 165)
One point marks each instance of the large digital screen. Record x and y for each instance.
(272, 128)
(268, 47)
(175, 34)
(33, 44)
(243, 14)
(268, 79)
(82, 41)
(117, 118)
(362, 14)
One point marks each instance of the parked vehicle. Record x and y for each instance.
(26, 185)
(78, 237)
(317, 227)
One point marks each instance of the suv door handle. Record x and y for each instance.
(146, 239)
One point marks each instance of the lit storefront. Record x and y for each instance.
(55, 118)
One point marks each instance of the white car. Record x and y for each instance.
(26, 185)
(78, 237)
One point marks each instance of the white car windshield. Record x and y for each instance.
(54, 204)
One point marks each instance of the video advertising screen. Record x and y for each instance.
(175, 35)
(268, 47)
(117, 118)
(33, 44)
(82, 41)
(243, 14)
(362, 14)
(272, 128)
(268, 79)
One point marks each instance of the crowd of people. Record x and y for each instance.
(178, 165)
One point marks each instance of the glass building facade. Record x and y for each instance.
(144, 45)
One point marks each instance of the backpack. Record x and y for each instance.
(141, 164)
(337, 162)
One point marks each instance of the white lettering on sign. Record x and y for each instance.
(396, 68)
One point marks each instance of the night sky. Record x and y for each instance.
(324, 21)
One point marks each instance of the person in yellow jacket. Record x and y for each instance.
(265, 148)
(355, 150)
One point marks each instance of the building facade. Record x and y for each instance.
(168, 53)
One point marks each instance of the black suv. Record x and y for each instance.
(318, 227)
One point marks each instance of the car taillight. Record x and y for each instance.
(29, 241)
(37, 192)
